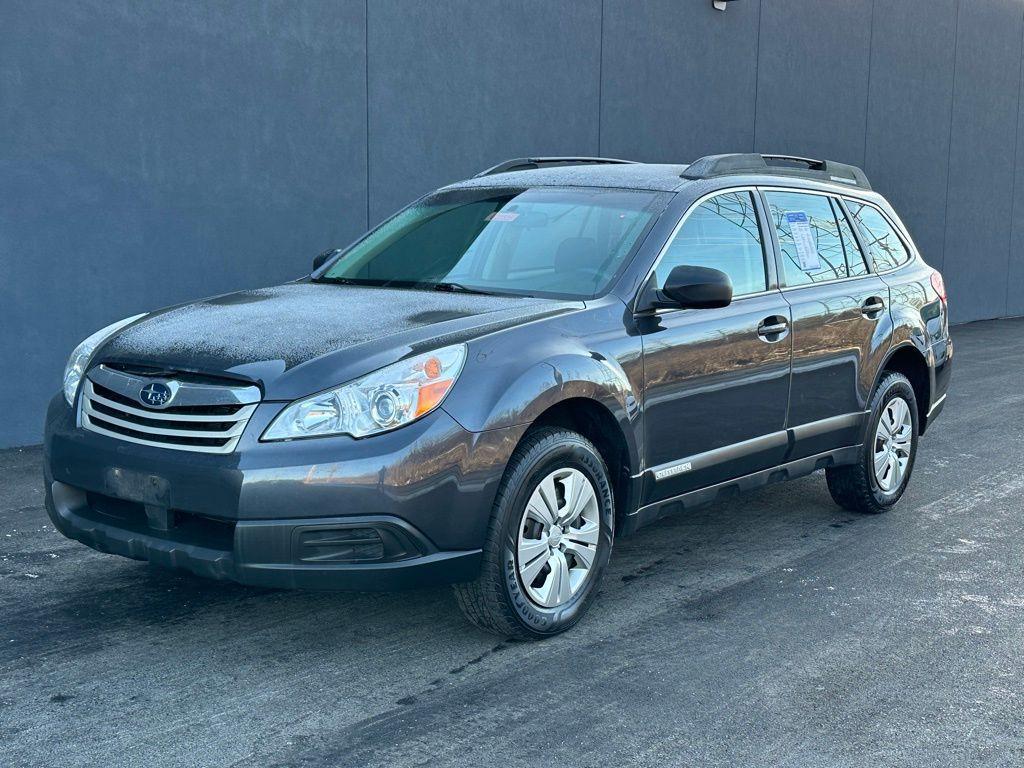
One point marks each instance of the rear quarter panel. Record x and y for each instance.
(920, 318)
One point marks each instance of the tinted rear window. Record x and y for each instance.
(886, 248)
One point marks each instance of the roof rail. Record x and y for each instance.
(782, 165)
(530, 163)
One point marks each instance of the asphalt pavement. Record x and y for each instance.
(772, 630)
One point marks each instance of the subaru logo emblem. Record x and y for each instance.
(156, 394)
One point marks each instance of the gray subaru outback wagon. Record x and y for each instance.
(491, 386)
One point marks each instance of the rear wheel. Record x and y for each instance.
(549, 541)
(878, 480)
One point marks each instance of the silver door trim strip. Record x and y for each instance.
(807, 462)
(831, 424)
(720, 455)
(764, 442)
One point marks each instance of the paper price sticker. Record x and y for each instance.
(803, 239)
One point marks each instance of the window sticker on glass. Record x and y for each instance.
(806, 250)
(502, 216)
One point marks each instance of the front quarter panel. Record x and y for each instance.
(512, 377)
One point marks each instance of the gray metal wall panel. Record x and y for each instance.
(812, 78)
(981, 174)
(678, 79)
(155, 153)
(456, 87)
(152, 153)
(913, 49)
(1015, 273)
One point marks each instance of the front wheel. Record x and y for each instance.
(877, 481)
(549, 541)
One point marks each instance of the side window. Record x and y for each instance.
(722, 233)
(887, 250)
(809, 239)
(855, 263)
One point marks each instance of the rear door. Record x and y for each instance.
(716, 380)
(840, 318)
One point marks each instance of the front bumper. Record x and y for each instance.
(293, 553)
(405, 509)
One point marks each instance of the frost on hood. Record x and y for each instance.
(297, 322)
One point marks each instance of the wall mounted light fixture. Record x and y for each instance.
(721, 4)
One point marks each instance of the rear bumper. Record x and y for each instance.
(289, 553)
(936, 408)
(942, 371)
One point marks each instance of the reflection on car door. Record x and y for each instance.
(840, 319)
(716, 380)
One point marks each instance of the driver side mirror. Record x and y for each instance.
(690, 287)
(320, 260)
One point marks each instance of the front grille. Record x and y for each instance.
(209, 419)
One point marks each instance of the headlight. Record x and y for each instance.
(79, 359)
(380, 401)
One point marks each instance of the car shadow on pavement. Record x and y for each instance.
(94, 599)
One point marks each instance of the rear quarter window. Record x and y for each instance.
(855, 263)
(883, 243)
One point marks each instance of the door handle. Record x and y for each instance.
(872, 307)
(772, 328)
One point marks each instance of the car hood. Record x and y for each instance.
(304, 337)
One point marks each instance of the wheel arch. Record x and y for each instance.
(593, 420)
(575, 388)
(910, 361)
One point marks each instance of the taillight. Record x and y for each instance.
(939, 285)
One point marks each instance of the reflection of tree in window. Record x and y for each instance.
(824, 232)
(885, 246)
(722, 233)
(826, 241)
(736, 211)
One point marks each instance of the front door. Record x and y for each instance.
(716, 380)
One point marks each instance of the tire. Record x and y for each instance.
(858, 487)
(500, 601)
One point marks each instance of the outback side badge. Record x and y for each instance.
(678, 469)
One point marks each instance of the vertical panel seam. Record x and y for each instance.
(867, 96)
(366, 74)
(1013, 189)
(600, 78)
(949, 148)
(757, 73)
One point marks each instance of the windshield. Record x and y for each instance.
(534, 242)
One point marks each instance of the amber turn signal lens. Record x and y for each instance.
(432, 368)
(431, 394)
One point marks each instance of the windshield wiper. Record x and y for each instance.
(335, 280)
(460, 288)
(449, 287)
